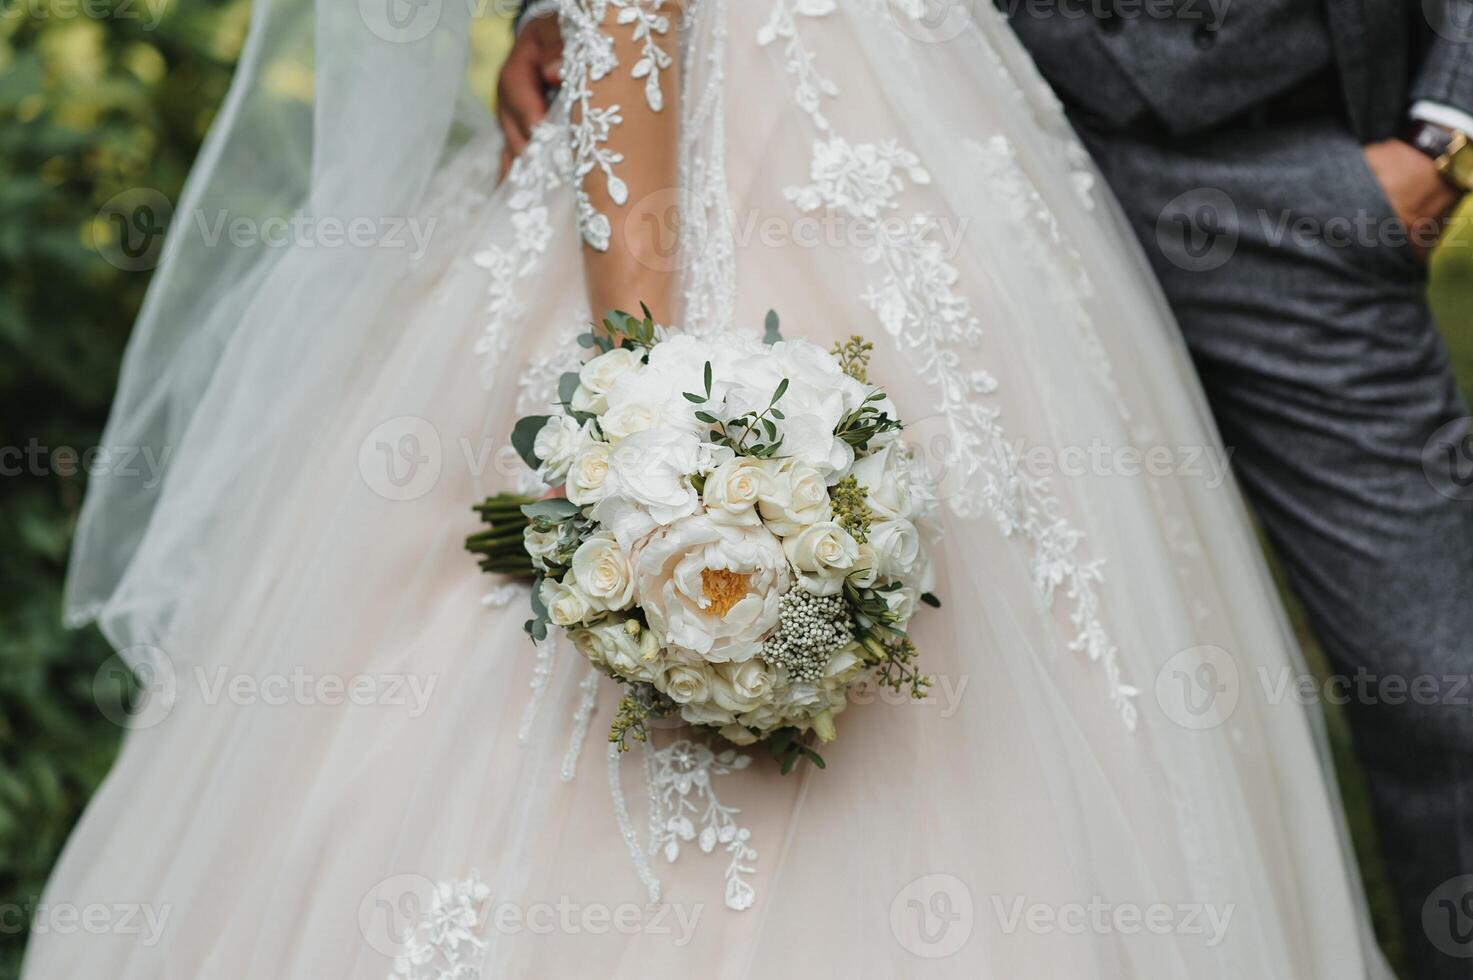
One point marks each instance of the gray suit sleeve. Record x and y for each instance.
(1447, 73)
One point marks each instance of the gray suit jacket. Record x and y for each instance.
(1197, 63)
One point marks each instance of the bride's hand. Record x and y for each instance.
(530, 71)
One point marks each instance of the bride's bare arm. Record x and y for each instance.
(623, 78)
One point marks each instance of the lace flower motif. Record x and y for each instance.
(589, 57)
(445, 943)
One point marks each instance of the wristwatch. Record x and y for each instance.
(1450, 149)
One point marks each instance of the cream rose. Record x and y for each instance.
(823, 554)
(589, 473)
(542, 545)
(741, 686)
(733, 490)
(566, 604)
(711, 589)
(601, 570)
(611, 646)
(685, 683)
(796, 496)
(599, 375)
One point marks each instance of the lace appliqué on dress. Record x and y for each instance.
(588, 57)
(684, 808)
(445, 943)
(915, 297)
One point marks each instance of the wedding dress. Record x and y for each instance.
(352, 762)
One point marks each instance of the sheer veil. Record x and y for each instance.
(337, 118)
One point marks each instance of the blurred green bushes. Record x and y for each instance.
(98, 97)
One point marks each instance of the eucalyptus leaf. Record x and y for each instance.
(524, 437)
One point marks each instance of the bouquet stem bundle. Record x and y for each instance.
(501, 545)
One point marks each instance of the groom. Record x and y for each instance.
(1287, 164)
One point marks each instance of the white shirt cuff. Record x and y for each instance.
(1441, 115)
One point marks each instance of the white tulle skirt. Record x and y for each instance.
(358, 763)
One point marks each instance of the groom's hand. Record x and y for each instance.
(521, 92)
(1422, 199)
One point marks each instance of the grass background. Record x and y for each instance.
(95, 99)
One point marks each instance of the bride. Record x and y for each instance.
(1101, 782)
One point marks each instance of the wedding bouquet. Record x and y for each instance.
(741, 535)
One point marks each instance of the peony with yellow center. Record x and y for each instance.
(710, 589)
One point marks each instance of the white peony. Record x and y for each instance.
(733, 490)
(818, 396)
(885, 474)
(897, 545)
(567, 605)
(823, 554)
(712, 589)
(795, 497)
(557, 443)
(588, 475)
(652, 470)
(601, 570)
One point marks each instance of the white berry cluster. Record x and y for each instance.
(812, 629)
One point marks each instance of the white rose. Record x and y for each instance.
(587, 401)
(601, 570)
(613, 647)
(823, 554)
(866, 568)
(685, 683)
(623, 421)
(652, 470)
(639, 659)
(566, 604)
(599, 375)
(897, 543)
(796, 496)
(738, 734)
(556, 444)
(588, 474)
(902, 603)
(706, 713)
(711, 589)
(742, 686)
(541, 545)
(733, 489)
(885, 475)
